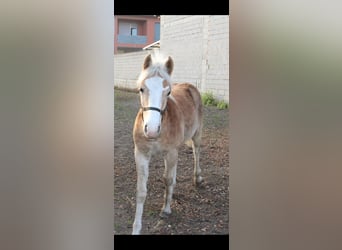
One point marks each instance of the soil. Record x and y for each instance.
(201, 210)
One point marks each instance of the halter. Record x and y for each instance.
(153, 108)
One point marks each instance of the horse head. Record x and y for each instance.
(155, 87)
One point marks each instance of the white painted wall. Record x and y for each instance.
(200, 48)
(127, 68)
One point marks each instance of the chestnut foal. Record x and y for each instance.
(169, 116)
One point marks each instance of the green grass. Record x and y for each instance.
(208, 99)
(222, 105)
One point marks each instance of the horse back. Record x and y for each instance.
(189, 101)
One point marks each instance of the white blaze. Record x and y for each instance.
(152, 118)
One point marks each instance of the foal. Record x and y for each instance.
(169, 116)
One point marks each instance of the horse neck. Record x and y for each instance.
(173, 113)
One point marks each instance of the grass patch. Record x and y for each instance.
(222, 105)
(208, 99)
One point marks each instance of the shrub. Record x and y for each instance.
(208, 99)
(222, 105)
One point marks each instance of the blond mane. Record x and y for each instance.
(156, 69)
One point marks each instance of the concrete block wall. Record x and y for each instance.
(181, 37)
(200, 48)
(127, 68)
(217, 75)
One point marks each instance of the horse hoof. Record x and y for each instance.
(164, 214)
(198, 181)
(160, 224)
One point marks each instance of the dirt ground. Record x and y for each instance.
(201, 210)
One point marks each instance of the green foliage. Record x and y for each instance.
(222, 105)
(208, 99)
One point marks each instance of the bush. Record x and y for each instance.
(222, 105)
(208, 99)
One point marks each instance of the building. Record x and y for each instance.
(133, 33)
(199, 46)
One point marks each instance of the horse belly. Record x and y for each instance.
(189, 133)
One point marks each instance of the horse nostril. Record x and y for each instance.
(158, 129)
(145, 128)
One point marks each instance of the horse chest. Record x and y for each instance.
(160, 145)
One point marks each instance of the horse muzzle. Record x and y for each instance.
(152, 122)
(151, 132)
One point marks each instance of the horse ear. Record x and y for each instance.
(147, 61)
(169, 65)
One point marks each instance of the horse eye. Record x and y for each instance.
(169, 93)
(141, 90)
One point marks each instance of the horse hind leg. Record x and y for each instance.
(169, 176)
(196, 143)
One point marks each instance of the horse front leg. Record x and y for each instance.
(169, 176)
(142, 162)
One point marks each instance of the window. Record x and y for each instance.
(134, 31)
